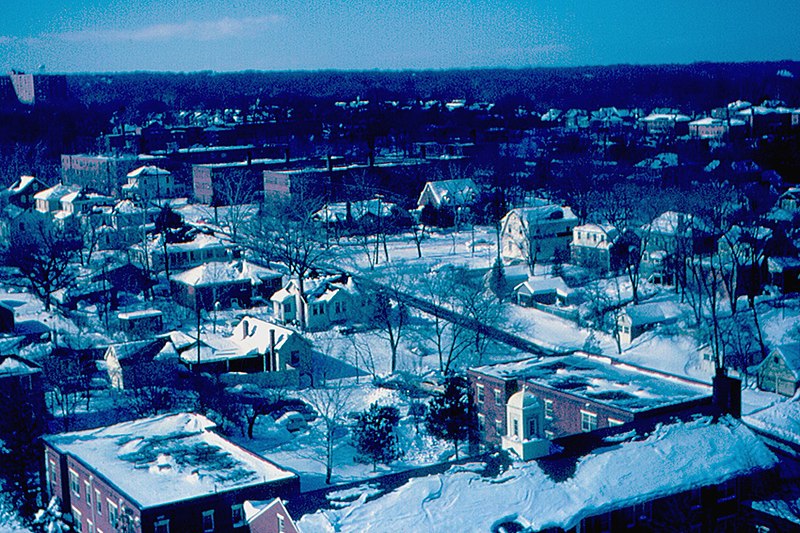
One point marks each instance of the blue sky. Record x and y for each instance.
(190, 35)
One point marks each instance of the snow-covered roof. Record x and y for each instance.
(671, 223)
(135, 315)
(250, 337)
(218, 272)
(13, 365)
(148, 170)
(711, 121)
(543, 285)
(21, 184)
(781, 420)
(451, 192)
(790, 352)
(672, 117)
(602, 380)
(672, 459)
(653, 313)
(337, 212)
(540, 213)
(159, 348)
(168, 458)
(56, 192)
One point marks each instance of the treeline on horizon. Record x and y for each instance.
(692, 88)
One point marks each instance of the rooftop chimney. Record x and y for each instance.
(727, 393)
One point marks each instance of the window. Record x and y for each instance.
(237, 515)
(75, 483)
(89, 526)
(480, 394)
(112, 513)
(614, 422)
(162, 526)
(516, 428)
(287, 308)
(281, 524)
(498, 426)
(88, 490)
(549, 434)
(498, 396)
(482, 422)
(588, 421)
(76, 515)
(208, 521)
(548, 409)
(99, 503)
(533, 428)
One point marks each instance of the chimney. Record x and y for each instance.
(727, 393)
(272, 355)
(245, 329)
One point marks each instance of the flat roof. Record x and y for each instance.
(168, 458)
(602, 380)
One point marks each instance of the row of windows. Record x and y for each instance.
(480, 396)
(162, 525)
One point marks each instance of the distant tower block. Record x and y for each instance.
(525, 426)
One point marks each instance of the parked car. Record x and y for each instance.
(292, 421)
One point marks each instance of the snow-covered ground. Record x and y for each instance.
(303, 452)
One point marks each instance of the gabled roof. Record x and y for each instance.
(148, 170)
(540, 213)
(14, 365)
(790, 353)
(160, 349)
(20, 185)
(250, 337)
(652, 313)
(451, 192)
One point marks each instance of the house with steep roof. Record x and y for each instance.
(541, 233)
(21, 192)
(780, 371)
(269, 517)
(449, 194)
(255, 346)
(143, 363)
(167, 473)
(325, 301)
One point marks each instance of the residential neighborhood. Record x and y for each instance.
(437, 313)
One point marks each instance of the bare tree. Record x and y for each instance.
(67, 376)
(332, 403)
(238, 194)
(44, 256)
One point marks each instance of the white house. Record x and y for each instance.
(636, 319)
(449, 193)
(327, 300)
(591, 245)
(538, 233)
(150, 182)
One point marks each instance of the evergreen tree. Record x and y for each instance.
(375, 434)
(498, 282)
(450, 413)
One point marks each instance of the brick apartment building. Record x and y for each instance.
(580, 392)
(170, 473)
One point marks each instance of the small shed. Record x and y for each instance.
(780, 371)
(636, 319)
(141, 323)
(546, 291)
